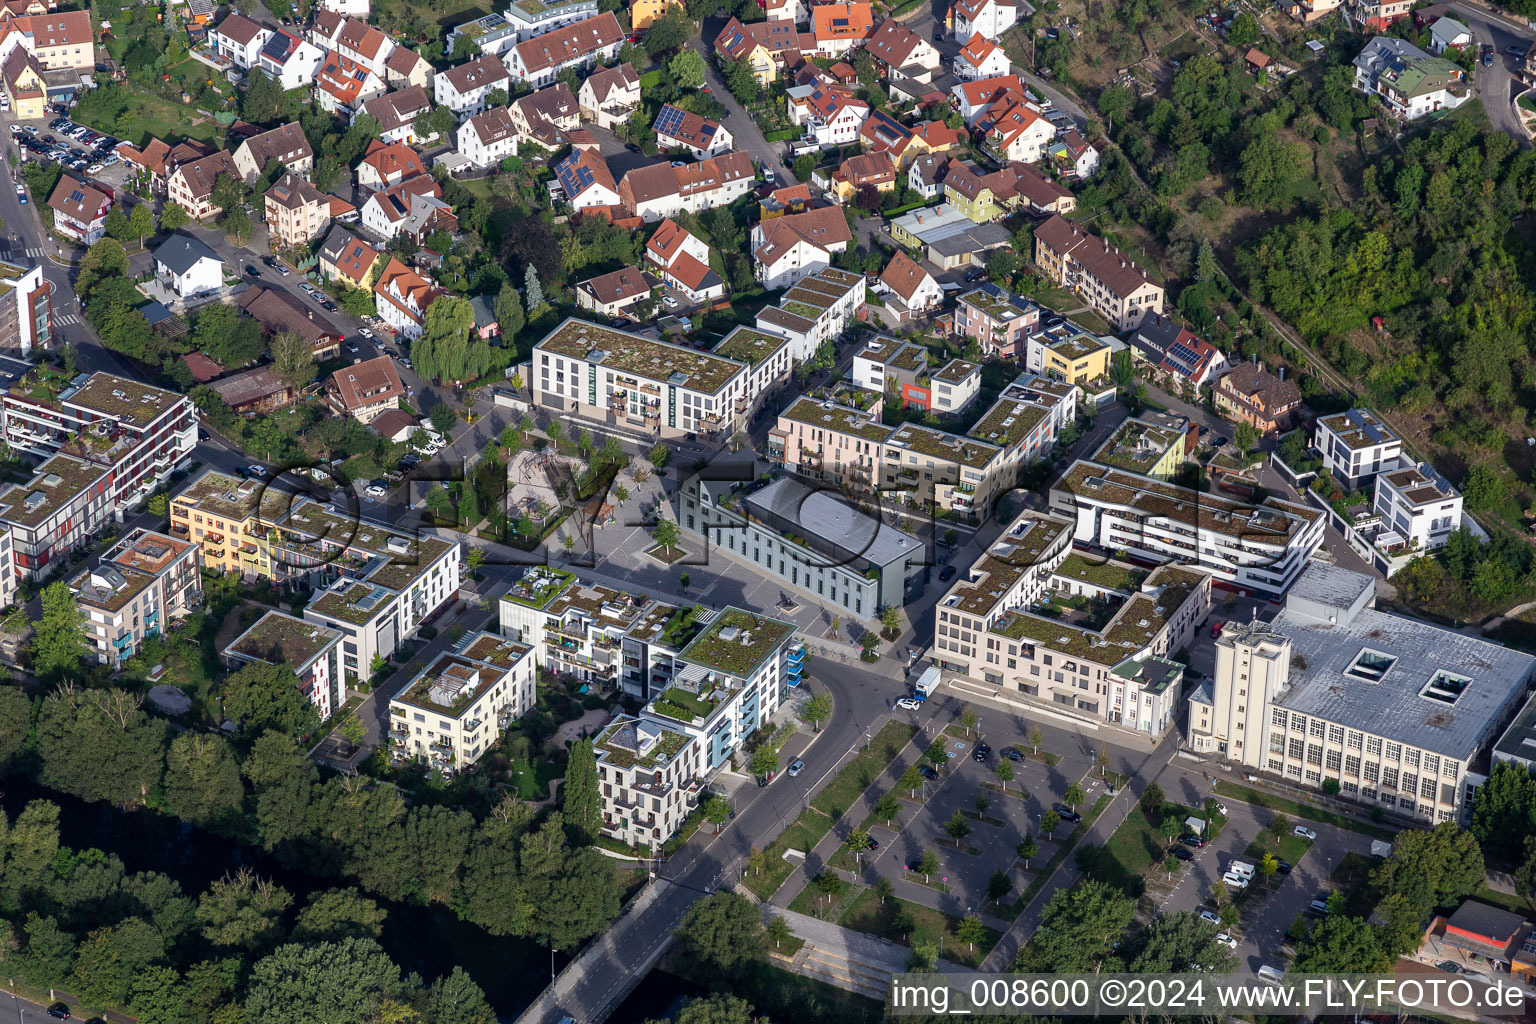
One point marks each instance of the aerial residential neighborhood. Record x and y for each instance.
(758, 505)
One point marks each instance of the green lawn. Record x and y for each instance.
(1135, 846)
(867, 914)
(531, 780)
(152, 116)
(1063, 848)
(814, 901)
(802, 834)
(856, 776)
(1289, 847)
(1299, 810)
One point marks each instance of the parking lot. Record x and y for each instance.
(85, 153)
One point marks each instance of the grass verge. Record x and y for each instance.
(1299, 810)
(1062, 851)
(802, 834)
(904, 922)
(858, 774)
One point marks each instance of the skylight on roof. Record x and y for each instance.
(1446, 687)
(1370, 666)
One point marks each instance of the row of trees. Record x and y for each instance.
(505, 873)
(244, 949)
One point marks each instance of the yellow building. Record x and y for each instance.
(1070, 354)
(23, 78)
(1155, 449)
(220, 514)
(643, 12)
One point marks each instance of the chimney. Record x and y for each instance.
(1282, 373)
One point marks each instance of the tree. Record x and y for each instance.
(173, 217)
(720, 1008)
(58, 639)
(665, 534)
(110, 958)
(980, 801)
(911, 780)
(1175, 943)
(817, 710)
(884, 889)
(659, 456)
(117, 225)
(533, 293)
(778, 931)
(857, 842)
(1170, 827)
(1244, 30)
(1078, 929)
(342, 982)
(929, 865)
(243, 911)
(15, 724)
(937, 753)
(1036, 737)
(1027, 850)
(968, 719)
(236, 223)
(1433, 868)
(804, 167)
(1004, 771)
(1244, 437)
(202, 783)
(667, 33)
(717, 811)
(1268, 866)
(455, 997)
(1073, 796)
(1101, 762)
(1152, 800)
(293, 360)
(580, 797)
(1212, 809)
(509, 308)
(443, 417)
(887, 807)
(1050, 821)
(337, 914)
(998, 886)
(99, 745)
(723, 933)
(263, 695)
(957, 827)
(141, 222)
(688, 69)
(764, 759)
(970, 930)
(1340, 944)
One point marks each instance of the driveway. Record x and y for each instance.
(1497, 86)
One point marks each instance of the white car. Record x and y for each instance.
(1206, 915)
(1227, 940)
(909, 704)
(375, 490)
(257, 470)
(365, 332)
(1234, 881)
(93, 169)
(1305, 833)
(669, 301)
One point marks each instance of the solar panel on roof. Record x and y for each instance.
(669, 120)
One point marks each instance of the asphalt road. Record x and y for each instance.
(746, 133)
(1497, 86)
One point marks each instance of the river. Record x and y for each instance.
(429, 940)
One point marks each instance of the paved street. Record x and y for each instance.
(1497, 86)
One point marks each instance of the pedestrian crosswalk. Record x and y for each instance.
(67, 320)
(35, 253)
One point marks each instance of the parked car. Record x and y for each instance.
(21, 194)
(1182, 853)
(946, 574)
(1227, 940)
(1234, 881)
(1450, 966)
(908, 704)
(1216, 628)
(1487, 55)
(253, 270)
(256, 470)
(1066, 813)
(376, 490)
(1283, 867)
(1191, 840)
(982, 752)
(870, 842)
(1319, 904)
(796, 767)
(1305, 833)
(365, 332)
(928, 772)
(1206, 915)
(58, 1011)
(1012, 753)
(352, 348)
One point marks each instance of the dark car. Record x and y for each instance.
(761, 781)
(1487, 56)
(1181, 853)
(1283, 866)
(871, 843)
(1012, 753)
(632, 147)
(946, 573)
(976, 275)
(1190, 839)
(928, 772)
(58, 1011)
(914, 867)
(982, 752)
(1067, 813)
(253, 270)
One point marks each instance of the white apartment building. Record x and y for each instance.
(457, 707)
(649, 777)
(540, 59)
(1355, 446)
(986, 18)
(312, 651)
(819, 308)
(1418, 508)
(660, 190)
(26, 307)
(1257, 549)
(116, 440)
(1124, 675)
(730, 681)
(651, 648)
(575, 628)
(830, 117)
(636, 384)
(529, 18)
(488, 138)
(1396, 711)
(463, 89)
(239, 39)
(147, 582)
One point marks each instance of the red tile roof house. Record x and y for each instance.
(79, 211)
(402, 297)
(613, 294)
(367, 389)
(1250, 393)
(386, 164)
(914, 289)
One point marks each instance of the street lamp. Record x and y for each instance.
(551, 965)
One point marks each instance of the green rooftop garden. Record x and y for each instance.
(737, 641)
(538, 595)
(1100, 574)
(663, 750)
(681, 705)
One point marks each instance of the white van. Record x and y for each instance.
(1273, 975)
(1241, 867)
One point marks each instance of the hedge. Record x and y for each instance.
(782, 135)
(897, 211)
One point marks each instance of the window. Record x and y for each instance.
(1297, 747)
(1318, 726)
(1394, 751)
(1373, 746)
(1277, 717)
(1355, 739)
(1352, 765)
(1372, 772)
(1332, 760)
(1335, 734)
(1389, 777)
(1314, 754)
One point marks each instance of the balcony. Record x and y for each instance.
(441, 746)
